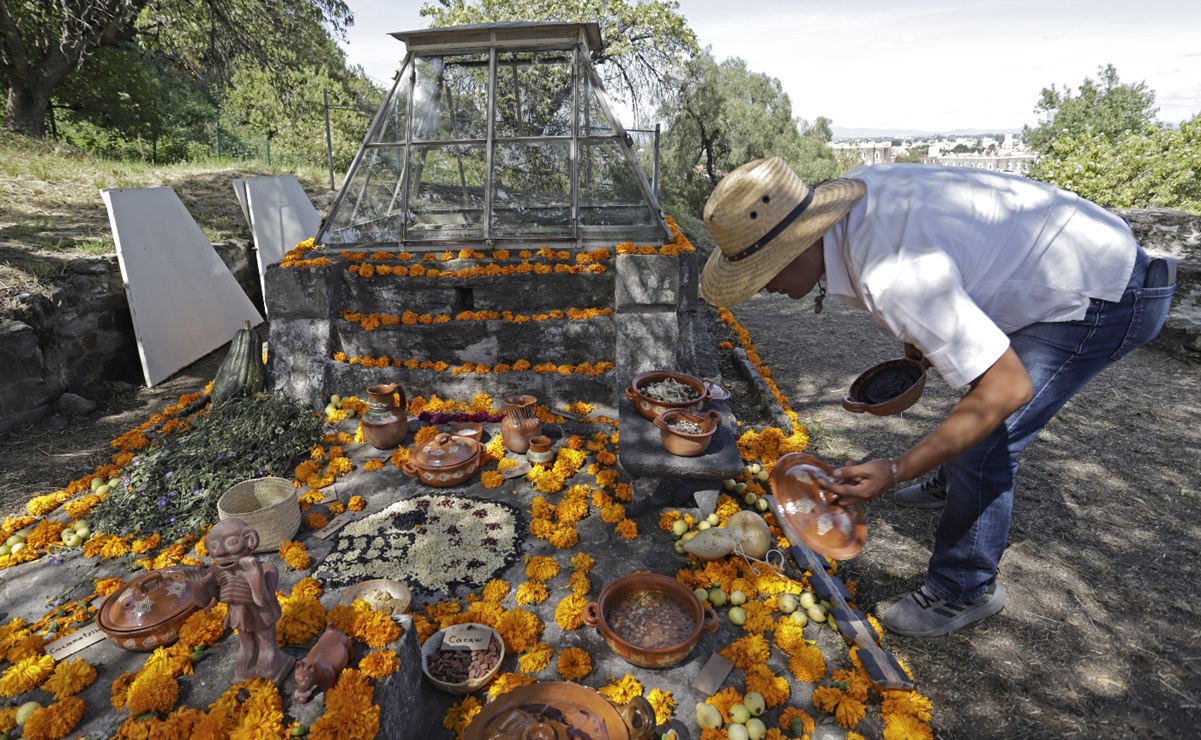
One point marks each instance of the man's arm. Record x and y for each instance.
(1002, 389)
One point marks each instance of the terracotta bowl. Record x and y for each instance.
(469, 429)
(148, 611)
(444, 461)
(434, 643)
(561, 710)
(650, 408)
(888, 388)
(595, 611)
(682, 443)
(829, 529)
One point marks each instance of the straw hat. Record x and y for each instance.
(762, 217)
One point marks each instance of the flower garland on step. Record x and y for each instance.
(372, 321)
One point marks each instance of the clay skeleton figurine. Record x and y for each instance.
(237, 578)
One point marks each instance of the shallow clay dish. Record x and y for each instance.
(558, 710)
(434, 643)
(147, 612)
(887, 388)
(650, 408)
(829, 529)
(399, 592)
(703, 616)
(682, 443)
(469, 430)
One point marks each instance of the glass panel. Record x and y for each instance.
(531, 185)
(450, 97)
(533, 93)
(370, 207)
(396, 112)
(610, 193)
(593, 119)
(446, 197)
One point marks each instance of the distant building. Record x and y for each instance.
(864, 153)
(1017, 163)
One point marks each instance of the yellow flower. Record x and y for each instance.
(69, 679)
(152, 692)
(55, 721)
(725, 699)
(569, 614)
(856, 684)
(492, 479)
(495, 591)
(579, 584)
(536, 659)
(663, 704)
(748, 652)
(907, 702)
(316, 521)
(775, 689)
(791, 713)
(460, 715)
(847, 710)
(520, 629)
(574, 664)
(564, 537)
(808, 664)
(295, 554)
(613, 513)
(357, 503)
(25, 675)
(905, 727)
(379, 663)
(8, 716)
(120, 690)
(204, 627)
(532, 592)
(627, 529)
(506, 682)
(622, 691)
(542, 568)
(349, 711)
(582, 562)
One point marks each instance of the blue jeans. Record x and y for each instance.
(1060, 358)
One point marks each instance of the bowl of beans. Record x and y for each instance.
(650, 620)
(461, 671)
(687, 433)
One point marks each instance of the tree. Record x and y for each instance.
(644, 39)
(1103, 107)
(43, 42)
(723, 115)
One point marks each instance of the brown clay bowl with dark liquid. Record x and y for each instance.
(682, 443)
(595, 612)
(650, 408)
(888, 388)
(829, 529)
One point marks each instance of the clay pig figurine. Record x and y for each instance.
(318, 671)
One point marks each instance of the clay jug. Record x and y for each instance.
(386, 421)
(519, 424)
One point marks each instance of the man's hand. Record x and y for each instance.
(859, 482)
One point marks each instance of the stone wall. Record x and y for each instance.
(79, 340)
(1175, 234)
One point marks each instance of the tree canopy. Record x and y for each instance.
(1104, 107)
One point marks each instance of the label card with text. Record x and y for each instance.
(466, 637)
(74, 642)
(337, 523)
(521, 469)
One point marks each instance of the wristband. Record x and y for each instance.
(893, 464)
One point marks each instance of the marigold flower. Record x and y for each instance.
(152, 692)
(663, 704)
(847, 710)
(295, 554)
(25, 675)
(55, 721)
(532, 592)
(460, 714)
(627, 529)
(564, 537)
(569, 614)
(574, 664)
(536, 659)
(69, 679)
(205, 627)
(622, 691)
(379, 663)
(725, 699)
(908, 702)
(542, 568)
(520, 629)
(316, 521)
(905, 727)
(496, 590)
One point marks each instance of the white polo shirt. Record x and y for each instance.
(951, 259)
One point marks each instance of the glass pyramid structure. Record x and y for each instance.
(491, 133)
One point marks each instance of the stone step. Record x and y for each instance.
(563, 341)
(550, 389)
(642, 453)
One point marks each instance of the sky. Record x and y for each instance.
(931, 65)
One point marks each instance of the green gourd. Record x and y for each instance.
(242, 372)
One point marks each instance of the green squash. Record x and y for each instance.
(242, 372)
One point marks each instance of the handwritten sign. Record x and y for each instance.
(466, 637)
(74, 642)
(521, 469)
(337, 523)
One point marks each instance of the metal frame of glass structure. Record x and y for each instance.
(498, 132)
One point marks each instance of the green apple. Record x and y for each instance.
(702, 525)
(713, 519)
(800, 617)
(738, 598)
(737, 732)
(740, 488)
(761, 504)
(817, 613)
(71, 539)
(717, 597)
(807, 599)
(702, 594)
(729, 484)
(763, 475)
(97, 482)
(750, 499)
(708, 716)
(679, 547)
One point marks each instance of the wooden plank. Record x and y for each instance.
(184, 301)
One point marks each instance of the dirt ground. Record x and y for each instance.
(1101, 636)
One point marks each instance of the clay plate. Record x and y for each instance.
(558, 710)
(829, 529)
(887, 388)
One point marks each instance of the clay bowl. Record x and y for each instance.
(703, 616)
(434, 643)
(827, 528)
(444, 461)
(468, 429)
(887, 388)
(650, 408)
(682, 443)
(397, 590)
(560, 710)
(147, 612)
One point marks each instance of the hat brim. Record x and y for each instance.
(726, 283)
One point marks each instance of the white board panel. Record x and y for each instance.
(184, 300)
(240, 191)
(281, 216)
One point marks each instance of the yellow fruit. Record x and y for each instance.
(80, 524)
(679, 528)
(807, 599)
(755, 703)
(737, 732)
(817, 613)
(708, 716)
(104, 490)
(739, 714)
(717, 597)
(755, 729)
(737, 616)
(97, 482)
(713, 519)
(788, 604)
(702, 594)
(738, 598)
(25, 710)
(703, 525)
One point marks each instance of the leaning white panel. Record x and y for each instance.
(184, 300)
(281, 216)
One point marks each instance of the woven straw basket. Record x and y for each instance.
(267, 504)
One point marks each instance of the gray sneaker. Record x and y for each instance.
(929, 494)
(922, 614)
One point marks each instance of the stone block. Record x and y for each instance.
(686, 355)
(300, 292)
(404, 698)
(690, 281)
(70, 404)
(646, 341)
(646, 280)
(532, 293)
(299, 350)
(642, 453)
(20, 352)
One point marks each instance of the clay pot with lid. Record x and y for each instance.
(147, 612)
(560, 710)
(827, 528)
(650, 407)
(686, 444)
(520, 424)
(596, 612)
(444, 461)
(386, 420)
